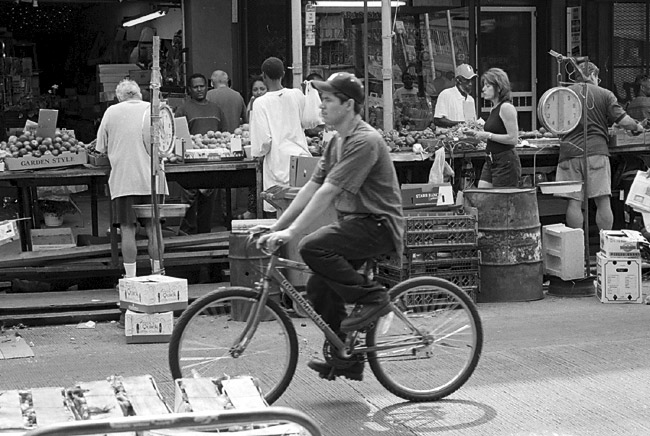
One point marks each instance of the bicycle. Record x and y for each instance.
(426, 348)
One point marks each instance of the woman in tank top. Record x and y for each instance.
(502, 167)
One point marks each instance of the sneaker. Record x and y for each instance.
(329, 372)
(363, 315)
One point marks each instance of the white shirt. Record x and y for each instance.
(452, 105)
(120, 135)
(277, 133)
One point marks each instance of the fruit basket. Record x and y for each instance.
(166, 210)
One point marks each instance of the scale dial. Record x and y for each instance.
(559, 110)
(167, 130)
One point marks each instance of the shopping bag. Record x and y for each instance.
(311, 115)
(440, 168)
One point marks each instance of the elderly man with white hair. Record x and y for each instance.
(230, 101)
(120, 135)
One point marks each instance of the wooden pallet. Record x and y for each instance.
(53, 405)
(117, 397)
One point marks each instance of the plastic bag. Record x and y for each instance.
(311, 115)
(440, 168)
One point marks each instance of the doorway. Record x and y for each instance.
(507, 40)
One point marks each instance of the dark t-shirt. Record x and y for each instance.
(201, 117)
(366, 174)
(603, 110)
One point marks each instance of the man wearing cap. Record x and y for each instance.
(356, 176)
(277, 129)
(455, 105)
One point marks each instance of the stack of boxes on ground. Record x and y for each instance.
(619, 266)
(150, 302)
(440, 240)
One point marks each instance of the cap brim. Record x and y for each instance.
(323, 86)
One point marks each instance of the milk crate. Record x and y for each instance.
(436, 229)
(459, 266)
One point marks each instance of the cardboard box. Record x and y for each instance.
(153, 293)
(52, 239)
(621, 243)
(98, 161)
(618, 280)
(8, 232)
(302, 167)
(424, 194)
(65, 159)
(141, 328)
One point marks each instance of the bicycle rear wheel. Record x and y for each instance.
(203, 336)
(435, 362)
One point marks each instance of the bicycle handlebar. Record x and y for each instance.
(254, 236)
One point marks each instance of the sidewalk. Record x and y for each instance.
(557, 366)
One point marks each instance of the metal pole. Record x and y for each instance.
(585, 196)
(365, 60)
(296, 36)
(155, 143)
(430, 44)
(387, 64)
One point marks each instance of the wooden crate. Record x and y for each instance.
(115, 397)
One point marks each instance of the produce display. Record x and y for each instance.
(213, 145)
(28, 144)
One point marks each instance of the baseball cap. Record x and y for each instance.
(465, 71)
(345, 83)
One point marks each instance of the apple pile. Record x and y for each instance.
(216, 140)
(28, 144)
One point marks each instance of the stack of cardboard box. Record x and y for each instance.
(618, 266)
(150, 302)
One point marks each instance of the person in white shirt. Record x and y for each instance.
(120, 137)
(456, 105)
(276, 128)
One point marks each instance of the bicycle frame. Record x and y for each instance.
(345, 349)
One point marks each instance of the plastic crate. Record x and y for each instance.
(470, 279)
(432, 261)
(433, 229)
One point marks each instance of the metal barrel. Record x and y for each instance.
(510, 242)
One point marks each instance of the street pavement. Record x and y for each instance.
(557, 366)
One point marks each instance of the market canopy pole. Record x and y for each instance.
(387, 64)
(296, 36)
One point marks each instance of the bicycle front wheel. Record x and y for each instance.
(204, 336)
(432, 346)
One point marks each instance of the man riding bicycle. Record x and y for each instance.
(357, 176)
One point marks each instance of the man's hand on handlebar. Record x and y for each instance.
(270, 240)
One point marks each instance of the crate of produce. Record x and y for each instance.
(434, 229)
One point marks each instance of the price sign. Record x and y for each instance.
(310, 25)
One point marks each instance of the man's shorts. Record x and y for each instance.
(503, 169)
(600, 176)
(123, 212)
